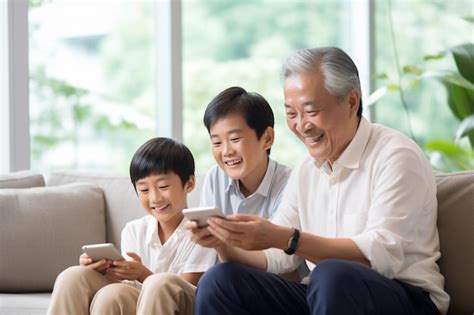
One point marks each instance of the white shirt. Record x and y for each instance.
(223, 192)
(381, 193)
(178, 255)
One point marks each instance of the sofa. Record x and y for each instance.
(45, 221)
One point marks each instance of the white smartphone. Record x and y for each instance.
(201, 214)
(102, 251)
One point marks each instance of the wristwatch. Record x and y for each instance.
(293, 242)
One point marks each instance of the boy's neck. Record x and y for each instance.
(250, 185)
(166, 229)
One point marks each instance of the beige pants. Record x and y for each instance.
(79, 290)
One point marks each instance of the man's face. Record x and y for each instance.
(323, 123)
(237, 150)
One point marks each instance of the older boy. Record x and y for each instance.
(245, 179)
(162, 173)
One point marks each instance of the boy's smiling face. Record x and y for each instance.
(237, 150)
(163, 196)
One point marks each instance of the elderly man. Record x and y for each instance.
(360, 209)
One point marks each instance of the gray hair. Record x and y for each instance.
(337, 68)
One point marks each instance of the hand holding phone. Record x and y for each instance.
(102, 251)
(201, 214)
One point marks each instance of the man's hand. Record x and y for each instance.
(249, 232)
(233, 235)
(128, 270)
(99, 266)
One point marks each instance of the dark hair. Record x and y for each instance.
(251, 106)
(162, 156)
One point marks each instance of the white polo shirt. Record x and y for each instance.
(223, 192)
(178, 255)
(381, 193)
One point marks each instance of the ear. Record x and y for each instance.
(268, 138)
(190, 184)
(353, 100)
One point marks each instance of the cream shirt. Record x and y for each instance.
(381, 193)
(223, 192)
(178, 255)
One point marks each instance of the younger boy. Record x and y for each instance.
(162, 173)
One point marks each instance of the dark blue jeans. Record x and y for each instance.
(335, 287)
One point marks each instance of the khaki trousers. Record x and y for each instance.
(79, 290)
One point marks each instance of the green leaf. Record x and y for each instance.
(393, 87)
(469, 19)
(446, 155)
(448, 76)
(448, 147)
(464, 58)
(381, 76)
(460, 100)
(438, 56)
(412, 69)
(460, 91)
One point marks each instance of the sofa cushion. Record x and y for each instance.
(42, 231)
(21, 179)
(456, 232)
(121, 201)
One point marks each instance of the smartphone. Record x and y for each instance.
(102, 251)
(201, 214)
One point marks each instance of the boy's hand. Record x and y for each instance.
(128, 269)
(99, 266)
(202, 236)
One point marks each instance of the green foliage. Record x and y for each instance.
(449, 154)
(460, 90)
(62, 116)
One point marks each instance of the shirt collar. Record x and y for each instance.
(350, 157)
(152, 230)
(265, 184)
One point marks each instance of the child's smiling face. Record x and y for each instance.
(237, 150)
(163, 196)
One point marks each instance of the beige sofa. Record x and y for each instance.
(43, 226)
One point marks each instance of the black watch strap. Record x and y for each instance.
(293, 243)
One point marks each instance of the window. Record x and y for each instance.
(92, 83)
(93, 69)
